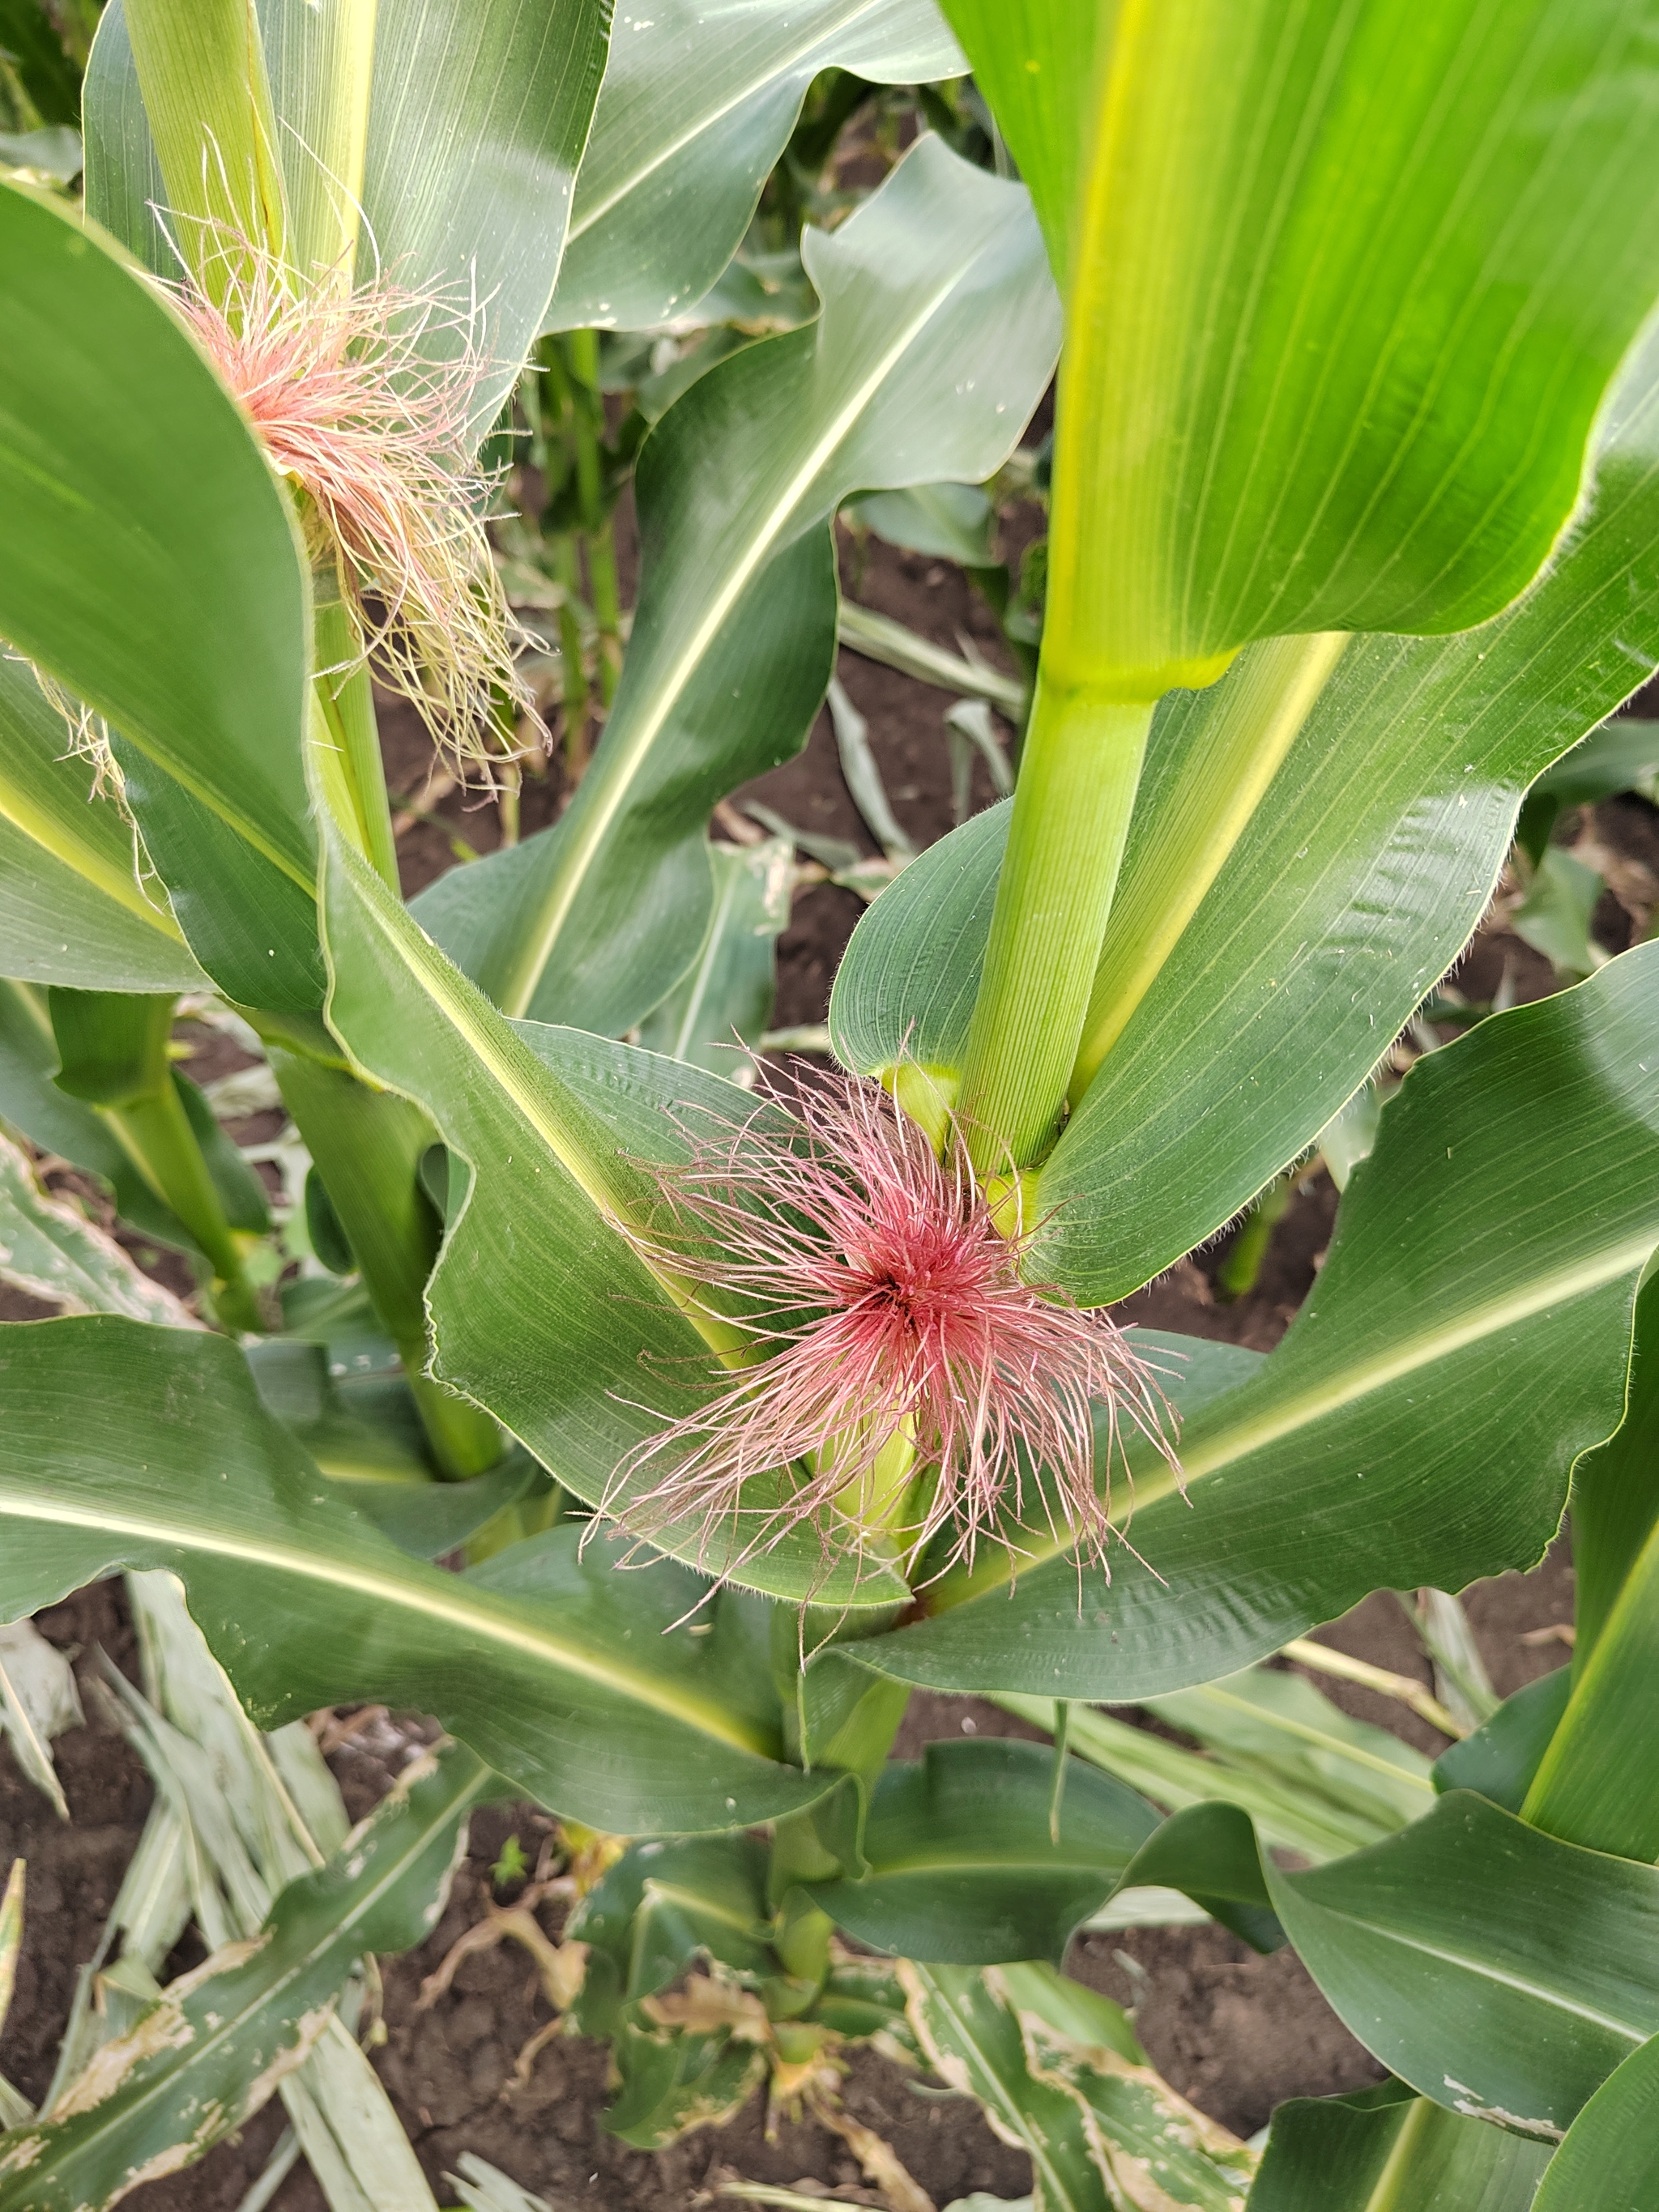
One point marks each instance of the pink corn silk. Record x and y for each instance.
(878, 1292)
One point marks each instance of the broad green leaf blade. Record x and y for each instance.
(1040, 67)
(1611, 2153)
(575, 1694)
(595, 1360)
(939, 330)
(149, 562)
(1588, 1787)
(73, 908)
(1386, 2150)
(1362, 874)
(1143, 2135)
(1616, 1498)
(1281, 1725)
(1466, 1340)
(49, 1249)
(698, 103)
(1209, 1853)
(478, 112)
(207, 2057)
(1349, 289)
(725, 998)
(962, 1867)
(972, 2040)
(252, 927)
(1500, 1973)
(1500, 1758)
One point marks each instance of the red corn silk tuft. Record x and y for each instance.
(879, 1294)
(344, 396)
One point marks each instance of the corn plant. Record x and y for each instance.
(755, 1408)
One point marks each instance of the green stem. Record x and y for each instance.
(1596, 1784)
(607, 606)
(1260, 708)
(155, 1133)
(112, 1052)
(354, 773)
(583, 354)
(570, 653)
(1236, 1276)
(367, 1147)
(1076, 785)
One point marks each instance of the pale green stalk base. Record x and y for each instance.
(1077, 779)
(348, 739)
(367, 1146)
(156, 1135)
(1264, 703)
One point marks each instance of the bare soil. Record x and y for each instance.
(1234, 2031)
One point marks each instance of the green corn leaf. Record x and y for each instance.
(674, 2081)
(1466, 1339)
(1502, 1973)
(695, 111)
(1357, 880)
(1386, 2149)
(1345, 292)
(963, 1870)
(551, 1122)
(1144, 2137)
(480, 111)
(1587, 1786)
(1615, 1503)
(73, 908)
(149, 563)
(972, 2041)
(938, 333)
(1610, 2155)
(1040, 68)
(725, 998)
(571, 1688)
(1059, 2071)
(1501, 1757)
(659, 1908)
(206, 2056)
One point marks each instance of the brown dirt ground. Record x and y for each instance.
(1234, 2031)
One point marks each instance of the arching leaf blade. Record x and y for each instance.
(938, 333)
(573, 1692)
(697, 105)
(1468, 1338)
